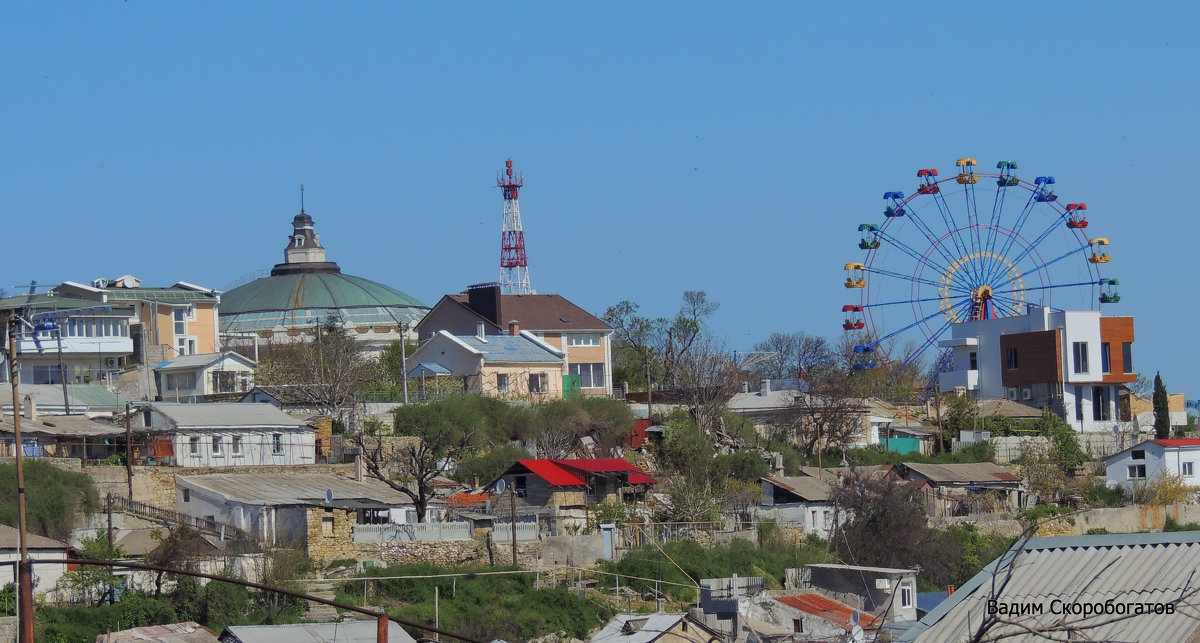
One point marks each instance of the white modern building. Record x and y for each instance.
(1075, 362)
(195, 377)
(1154, 458)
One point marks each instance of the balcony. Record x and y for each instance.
(967, 379)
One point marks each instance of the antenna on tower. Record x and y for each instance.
(514, 264)
(301, 198)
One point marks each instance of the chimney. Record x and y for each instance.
(514, 327)
(766, 388)
(475, 482)
(485, 300)
(30, 411)
(949, 590)
(479, 329)
(745, 387)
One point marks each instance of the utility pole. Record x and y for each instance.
(25, 566)
(128, 452)
(512, 503)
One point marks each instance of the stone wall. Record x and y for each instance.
(67, 464)
(456, 552)
(8, 629)
(1115, 520)
(331, 534)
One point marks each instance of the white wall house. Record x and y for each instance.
(192, 377)
(45, 575)
(1146, 461)
(798, 500)
(1075, 362)
(225, 435)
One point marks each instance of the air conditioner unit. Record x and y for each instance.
(1012, 393)
(1027, 394)
(883, 583)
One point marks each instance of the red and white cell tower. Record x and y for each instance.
(514, 265)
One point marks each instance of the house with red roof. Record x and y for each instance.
(565, 488)
(1152, 459)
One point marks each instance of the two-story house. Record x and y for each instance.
(581, 336)
(565, 488)
(1074, 361)
(517, 365)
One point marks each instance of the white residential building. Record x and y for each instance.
(192, 377)
(1146, 461)
(1075, 362)
(224, 435)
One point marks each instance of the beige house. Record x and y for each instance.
(198, 376)
(518, 365)
(583, 338)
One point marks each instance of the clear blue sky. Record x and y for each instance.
(727, 147)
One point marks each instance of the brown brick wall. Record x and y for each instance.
(331, 543)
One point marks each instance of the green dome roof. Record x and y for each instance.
(300, 300)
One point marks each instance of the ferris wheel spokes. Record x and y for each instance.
(904, 247)
(897, 209)
(1043, 266)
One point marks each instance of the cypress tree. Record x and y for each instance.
(1162, 413)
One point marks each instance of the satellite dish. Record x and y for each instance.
(855, 617)
(500, 486)
(856, 634)
(329, 499)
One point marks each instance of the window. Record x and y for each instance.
(216, 442)
(1127, 357)
(590, 375)
(1012, 359)
(180, 321)
(585, 339)
(187, 495)
(974, 361)
(1079, 403)
(1080, 353)
(798, 625)
(327, 525)
(538, 383)
(181, 382)
(236, 447)
(1105, 357)
(1137, 472)
(226, 381)
(194, 446)
(502, 383)
(277, 444)
(519, 486)
(1100, 412)
(1138, 454)
(906, 596)
(1187, 469)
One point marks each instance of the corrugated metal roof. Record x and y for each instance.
(201, 360)
(828, 609)
(8, 540)
(552, 473)
(966, 472)
(225, 414)
(296, 489)
(343, 632)
(649, 627)
(510, 349)
(806, 487)
(1127, 568)
(189, 632)
(66, 426)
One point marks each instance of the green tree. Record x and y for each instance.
(391, 362)
(1162, 410)
(94, 584)
(56, 501)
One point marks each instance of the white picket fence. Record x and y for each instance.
(416, 532)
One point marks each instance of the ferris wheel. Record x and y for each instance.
(968, 247)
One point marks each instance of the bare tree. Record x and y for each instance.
(324, 372)
(706, 378)
(828, 416)
(792, 355)
(409, 464)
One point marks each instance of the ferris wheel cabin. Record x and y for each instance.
(1075, 218)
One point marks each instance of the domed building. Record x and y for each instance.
(306, 289)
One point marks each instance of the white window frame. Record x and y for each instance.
(583, 339)
(1136, 471)
(906, 596)
(539, 383)
(217, 444)
(1187, 469)
(277, 444)
(235, 446)
(194, 446)
(591, 367)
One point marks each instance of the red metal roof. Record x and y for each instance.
(466, 499)
(1007, 477)
(1181, 442)
(552, 473)
(608, 465)
(827, 609)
